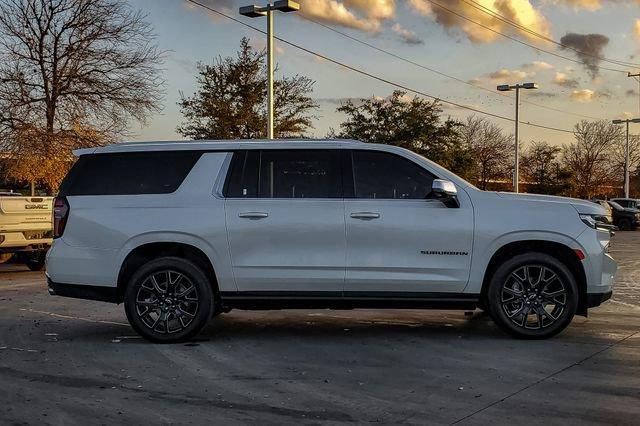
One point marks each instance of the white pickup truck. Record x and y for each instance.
(25, 229)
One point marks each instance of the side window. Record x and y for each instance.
(155, 172)
(388, 176)
(242, 179)
(299, 174)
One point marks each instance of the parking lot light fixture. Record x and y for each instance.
(508, 88)
(626, 152)
(254, 11)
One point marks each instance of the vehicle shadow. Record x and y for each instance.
(312, 324)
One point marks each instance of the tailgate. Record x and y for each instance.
(25, 210)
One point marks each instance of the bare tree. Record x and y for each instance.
(588, 157)
(543, 170)
(73, 73)
(491, 150)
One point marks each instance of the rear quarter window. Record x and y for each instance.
(129, 173)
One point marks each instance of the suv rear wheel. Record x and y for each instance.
(624, 224)
(168, 300)
(532, 295)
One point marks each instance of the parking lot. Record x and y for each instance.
(66, 361)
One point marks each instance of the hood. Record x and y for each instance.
(581, 206)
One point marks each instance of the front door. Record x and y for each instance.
(285, 222)
(399, 240)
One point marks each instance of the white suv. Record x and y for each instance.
(181, 232)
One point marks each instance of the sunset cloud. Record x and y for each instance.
(636, 29)
(336, 13)
(590, 5)
(405, 35)
(509, 75)
(538, 65)
(580, 4)
(583, 96)
(520, 11)
(562, 79)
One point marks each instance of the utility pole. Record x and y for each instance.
(516, 166)
(637, 77)
(254, 11)
(626, 153)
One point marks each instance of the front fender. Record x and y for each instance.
(485, 252)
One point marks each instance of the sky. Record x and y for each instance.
(590, 46)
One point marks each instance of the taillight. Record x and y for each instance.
(60, 215)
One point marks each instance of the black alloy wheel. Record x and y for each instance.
(169, 300)
(532, 295)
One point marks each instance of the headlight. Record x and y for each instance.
(589, 220)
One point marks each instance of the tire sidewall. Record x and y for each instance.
(501, 275)
(624, 224)
(197, 277)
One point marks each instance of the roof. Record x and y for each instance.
(209, 145)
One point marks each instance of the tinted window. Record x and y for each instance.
(242, 180)
(388, 176)
(129, 174)
(299, 174)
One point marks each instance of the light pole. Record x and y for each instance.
(254, 11)
(626, 153)
(517, 87)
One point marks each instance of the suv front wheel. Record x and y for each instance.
(168, 300)
(532, 295)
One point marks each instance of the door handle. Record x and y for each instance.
(253, 215)
(365, 215)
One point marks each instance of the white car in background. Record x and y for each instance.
(25, 229)
(181, 232)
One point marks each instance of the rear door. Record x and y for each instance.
(398, 239)
(285, 221)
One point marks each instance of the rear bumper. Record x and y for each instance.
(596, 299)
(88, 292)
(11, 242)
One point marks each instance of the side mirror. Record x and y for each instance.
(445, 191)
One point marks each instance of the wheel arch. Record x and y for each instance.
(143, 253)
(559, 250)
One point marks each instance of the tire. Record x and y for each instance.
(526, 307)
(174, 308)
(624, 225)
(35, 261)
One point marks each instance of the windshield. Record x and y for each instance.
(616, 205)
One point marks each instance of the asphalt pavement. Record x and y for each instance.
(67, 361)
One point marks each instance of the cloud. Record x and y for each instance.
(580, 4)
(541, 94)
(583, 95)
(376, 9)
(537, 65)
(509, 75)
(562, 79)
(636, 29)
(405, 35)
(590, 49)
(363, 15)
(631, 93)
(521, 12)
(335, 13)
(590, 5)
